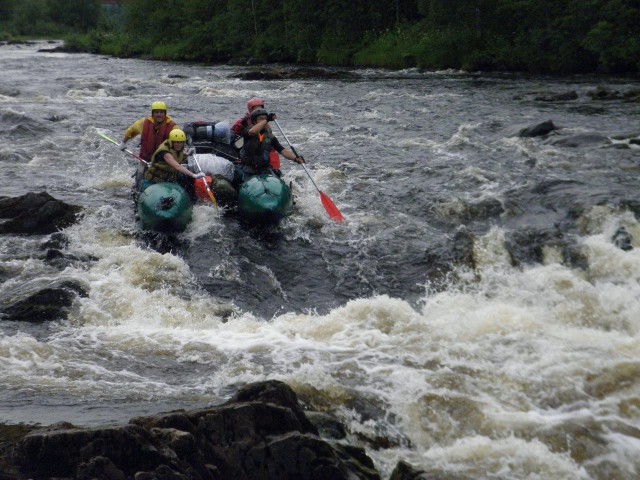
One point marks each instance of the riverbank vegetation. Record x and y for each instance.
(542, 36)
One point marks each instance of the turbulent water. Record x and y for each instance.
(471, 316)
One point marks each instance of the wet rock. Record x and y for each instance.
(461, 211)
(574, 257)
(20, 42)
(632, 96)
(538, 130)
(632, 205)
(558, 97)
(60, 452)
(99, 468)
(622, 239)
(483, 210)
(277, 393)
(47, 304)
(258, 434)
(56, 118)
(404, 471)
(439, 262)
(462, 248)
(56, 241)
(294, 73)
(36, 214)
(528, 246)
(28, 130)
(548, 187)
(604, 93)
(327, 425)
(54, 254)
(61, 260)
(9, 435)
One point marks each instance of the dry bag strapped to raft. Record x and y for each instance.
(219, 175)
(212, 165)
(218, 132)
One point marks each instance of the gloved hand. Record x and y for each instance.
(189, 151)
(299, 159)
(199, 175)
(122, 146)
(271, 117)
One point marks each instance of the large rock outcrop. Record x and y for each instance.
(36, 214)
(260, 434)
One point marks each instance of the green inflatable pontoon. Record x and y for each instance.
(264, 199)
(164, 207)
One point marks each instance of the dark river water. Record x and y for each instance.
(471, 316)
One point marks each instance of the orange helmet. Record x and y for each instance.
(255, 102)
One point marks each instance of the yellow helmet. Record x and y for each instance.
(177, 135)
(158, 106)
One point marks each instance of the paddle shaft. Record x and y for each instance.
(296, 154)
(125, 150)
(327, 203)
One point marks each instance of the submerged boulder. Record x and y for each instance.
(51, 303)
(583, 140)
(538, 130)
(558, 97)
(298, 73)
(405, 471)
(261, 433)
(604, 93)
(36, 214)
(622, 239)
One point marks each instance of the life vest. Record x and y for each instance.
(241, 123)
(239, 128)
(151, 137)
(256, 150)
(160, 170)
(274, 159)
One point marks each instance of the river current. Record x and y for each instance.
(471, 316)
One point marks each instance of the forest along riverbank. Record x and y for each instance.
(474, 315)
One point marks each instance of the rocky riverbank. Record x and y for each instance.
(262, 433)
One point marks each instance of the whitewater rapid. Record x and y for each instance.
(492, 369)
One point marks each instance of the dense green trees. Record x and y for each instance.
(48, 17)
(529, 35)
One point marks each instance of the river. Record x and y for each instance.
(471, 316)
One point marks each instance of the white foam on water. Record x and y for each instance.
(80, 93)
(511, 372)
(482, 457)
(508, 351)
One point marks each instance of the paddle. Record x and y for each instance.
(125, 150)
(328, 205)
(206, 185)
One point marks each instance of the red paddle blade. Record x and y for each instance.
(330, 207)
